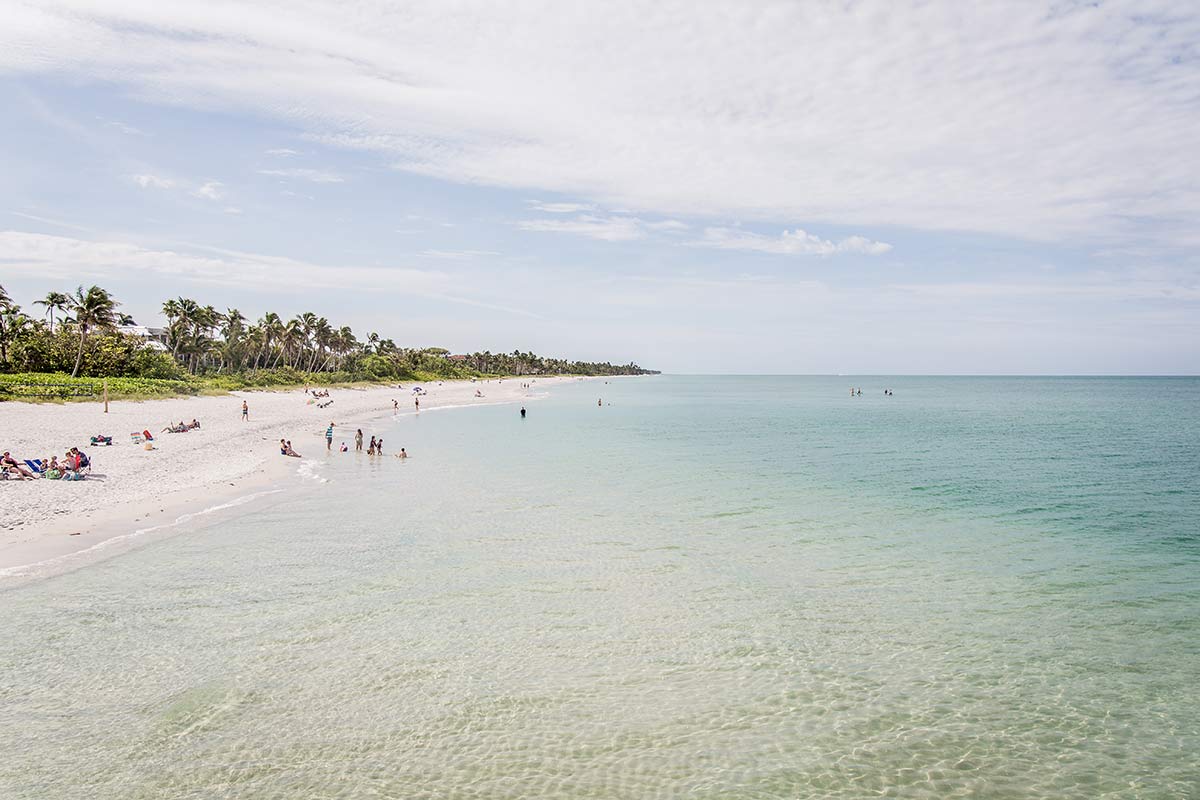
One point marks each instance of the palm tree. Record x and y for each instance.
(125, 319)
(92, 309)
(12, 324)
(53, 301)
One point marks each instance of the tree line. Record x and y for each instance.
(79, 333)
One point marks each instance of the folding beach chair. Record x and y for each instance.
(35, 465)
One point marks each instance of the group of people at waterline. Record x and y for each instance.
(374, 447)
(857, 392)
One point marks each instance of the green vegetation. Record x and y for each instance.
(203, 350)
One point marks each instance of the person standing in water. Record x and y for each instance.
(522, 412)
(379, 447)
(395, 404)
(329, 436)
(358, 439)
(417, 403)
(600, 402)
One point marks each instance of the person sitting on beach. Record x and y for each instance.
(343, 448)
(82, 461)
(285, 449)
(195, 424)
(13, 467)
(10, 465)
(53, 470)
(290, 451)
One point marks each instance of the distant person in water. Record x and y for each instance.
(245, 411)
(371, 447)
(329, 436)
(379, 447)
(600, 402)
(402, 453)
(522, 412)
(358, 439)
(344, 448)
(395, 404)
(417, 403)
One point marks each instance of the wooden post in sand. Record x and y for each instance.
(106, 395)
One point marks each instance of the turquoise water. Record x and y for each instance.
(711, 587)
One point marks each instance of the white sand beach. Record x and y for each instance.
(132, 487)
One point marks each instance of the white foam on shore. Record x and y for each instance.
(26, 570)
(309, 470)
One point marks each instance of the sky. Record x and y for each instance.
(755, 187)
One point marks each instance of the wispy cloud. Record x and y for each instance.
(561, 208)
(210, 190)
(65, 258)
(789, 243)
(301, 173)
(829, 113)
(283, 152)
(128, 130)
(609, 229)
(458, 254)
(147, 181)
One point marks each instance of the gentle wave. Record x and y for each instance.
(25, 570)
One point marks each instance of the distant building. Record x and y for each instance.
(457, 358)
(155, 338)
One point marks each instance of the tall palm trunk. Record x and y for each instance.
(79, 355)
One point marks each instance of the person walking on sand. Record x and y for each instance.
(358, 439)
(245, 411)
(329, 436)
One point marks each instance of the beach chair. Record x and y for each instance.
(35, 465)
(137, 438)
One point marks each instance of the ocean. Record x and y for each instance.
(708, 587)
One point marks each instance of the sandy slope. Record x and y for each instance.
(185, 470)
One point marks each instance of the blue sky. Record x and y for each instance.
(860, 188)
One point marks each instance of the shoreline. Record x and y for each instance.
(189, 480)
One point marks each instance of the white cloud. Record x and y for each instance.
(1070, 120)
(283, 152)
(609, 229)
(791, 243)
(67, 258)
(561, 208)
(153, 182)
(313, 175)
(458, 254)
(210, 190)
(128, 130)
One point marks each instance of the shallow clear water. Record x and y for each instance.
(713, 587)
